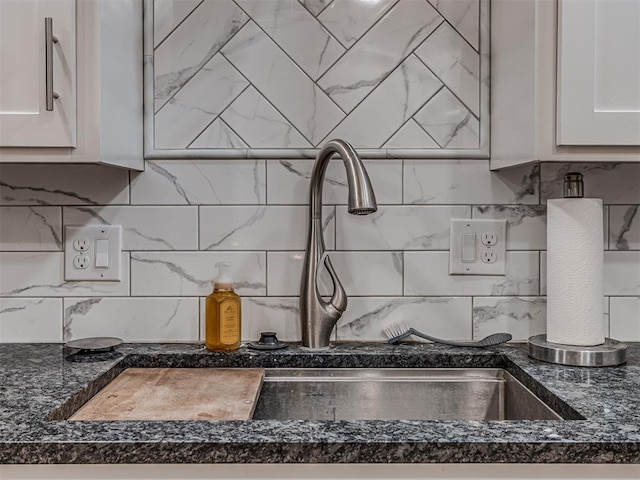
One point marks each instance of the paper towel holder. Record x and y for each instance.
(609, 354)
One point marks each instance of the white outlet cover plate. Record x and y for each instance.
(460, 226)
(113, 233)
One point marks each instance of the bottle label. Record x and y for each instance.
(228, 322)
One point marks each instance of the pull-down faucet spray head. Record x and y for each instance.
(362, 200)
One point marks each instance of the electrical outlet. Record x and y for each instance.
(489, 238)
(92, 252)
(477, 247)
(81, 261)
(488, 256)
(81, 244)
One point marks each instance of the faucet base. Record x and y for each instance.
(318, 349)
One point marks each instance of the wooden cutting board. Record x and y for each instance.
(176, 394)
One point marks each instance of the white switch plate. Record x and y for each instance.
(75, 240)
(490, 243)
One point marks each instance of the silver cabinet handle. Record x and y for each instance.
(49, 40)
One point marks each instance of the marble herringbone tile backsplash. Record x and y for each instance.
(180, 217)
(255, 74)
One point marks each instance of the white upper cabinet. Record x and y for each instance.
(37, 73)
(97, 67)
(599, 72)
(565, 81)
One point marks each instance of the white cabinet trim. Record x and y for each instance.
(580, 122)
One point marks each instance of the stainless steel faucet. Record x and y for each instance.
(317, 316)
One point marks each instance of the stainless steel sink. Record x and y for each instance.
(397, 394)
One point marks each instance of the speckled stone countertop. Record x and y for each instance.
(39, 388)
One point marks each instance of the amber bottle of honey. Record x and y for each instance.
(223, 313)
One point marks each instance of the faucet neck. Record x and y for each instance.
(317, 176)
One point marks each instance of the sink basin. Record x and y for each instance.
(397, 394)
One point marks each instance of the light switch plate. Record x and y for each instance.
(490, 240)
(80, 249)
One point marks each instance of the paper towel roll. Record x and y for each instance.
(575, 256)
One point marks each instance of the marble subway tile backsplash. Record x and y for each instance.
(444, 317)
(361, 273)
(625, 318)
(30, 229)
(615, 183)
(259, 228)
(402, 227)
(522, 317)
(526, 224)
(624, 231)
(289, 182)
(41, 274)
(136, 319)
(200, 182)
(621, 273)
(468, 182)
(23, 184)
(266, 314)
(180, 217)
(191, 274)
(143, 228)
(25, 320)
(427, 273)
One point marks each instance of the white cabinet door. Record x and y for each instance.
(25, 120)
(598, 96)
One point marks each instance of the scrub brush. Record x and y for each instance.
(399, 331)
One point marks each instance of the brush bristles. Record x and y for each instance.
(395, 329)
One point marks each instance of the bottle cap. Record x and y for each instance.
(223, 281)
(573, 186)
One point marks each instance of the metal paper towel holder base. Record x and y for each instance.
(610, 353)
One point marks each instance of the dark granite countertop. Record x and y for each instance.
(39, 389)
